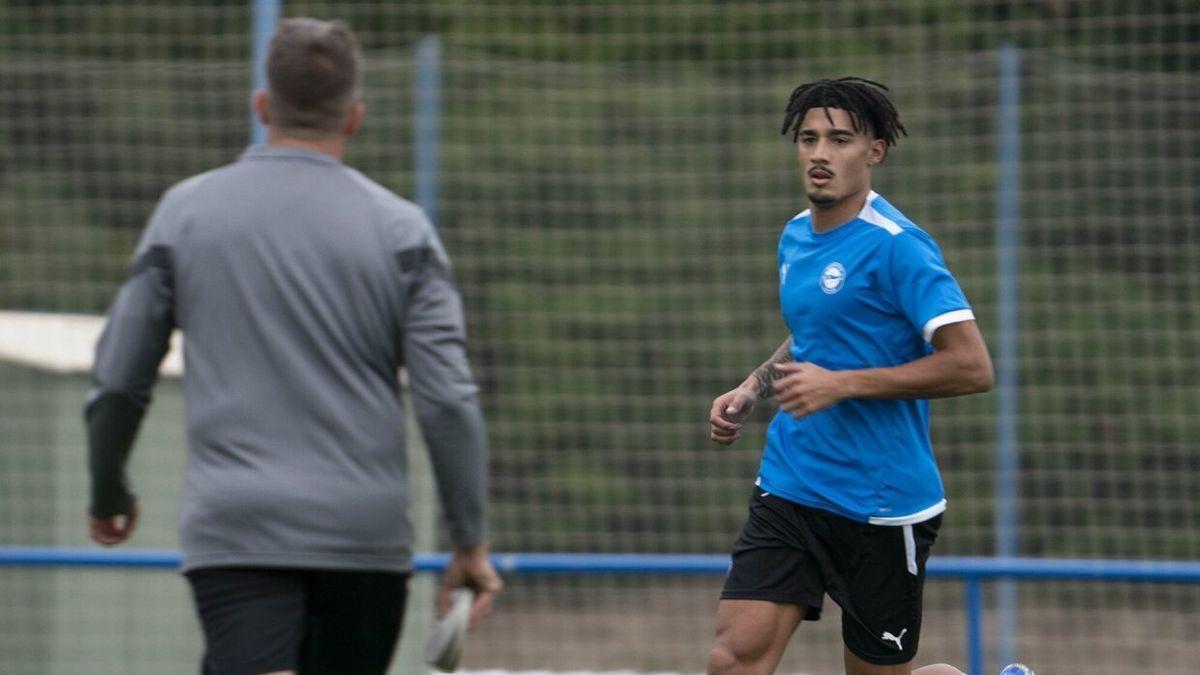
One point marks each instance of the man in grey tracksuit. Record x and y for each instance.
(301, 288)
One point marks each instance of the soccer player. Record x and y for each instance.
(301, 287)
(848, 498)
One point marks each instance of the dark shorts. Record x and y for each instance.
(259, 620)
(795, 554)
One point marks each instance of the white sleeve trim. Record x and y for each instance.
(877, 219)
(957, 316)
(912, 518)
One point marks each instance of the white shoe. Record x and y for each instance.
(444, 647)
(1016, 669)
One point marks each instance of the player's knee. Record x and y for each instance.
(722, 660)
(728, 658)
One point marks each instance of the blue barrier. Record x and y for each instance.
(983, 568)
(973, 571)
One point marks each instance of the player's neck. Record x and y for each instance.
(826, 217)
(335, 146)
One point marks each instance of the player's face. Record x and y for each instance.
(835, 160)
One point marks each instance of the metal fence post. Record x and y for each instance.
(1008, 193)
(266, 15)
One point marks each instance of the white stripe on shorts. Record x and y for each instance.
(910, 550)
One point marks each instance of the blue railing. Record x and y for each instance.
(973, 571)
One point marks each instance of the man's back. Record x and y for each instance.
(288, 285)
(301, 287)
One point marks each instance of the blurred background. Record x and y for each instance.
(611, 183)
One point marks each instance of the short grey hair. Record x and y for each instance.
(313, 70)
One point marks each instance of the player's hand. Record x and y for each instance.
(728, 412)
(114, 529)
(806, 388)
(470, 567)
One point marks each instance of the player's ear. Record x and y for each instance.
(258, 100)
(878, 151)
(354, 119)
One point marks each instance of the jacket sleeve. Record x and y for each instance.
(443, 390)
(131, 347)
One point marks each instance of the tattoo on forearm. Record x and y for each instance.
(766, 374)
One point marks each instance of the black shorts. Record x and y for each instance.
(260, 620)
(795, 554)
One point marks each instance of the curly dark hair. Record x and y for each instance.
(869, 107)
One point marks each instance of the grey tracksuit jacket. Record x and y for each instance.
(301, 287)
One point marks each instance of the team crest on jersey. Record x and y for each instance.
(783, 270)
(833, 278)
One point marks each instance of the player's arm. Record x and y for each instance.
(131, 347)
(444, 395)
(764, 376)
(959, 365)
(730, 409)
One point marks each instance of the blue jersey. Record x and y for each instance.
(867, 294)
